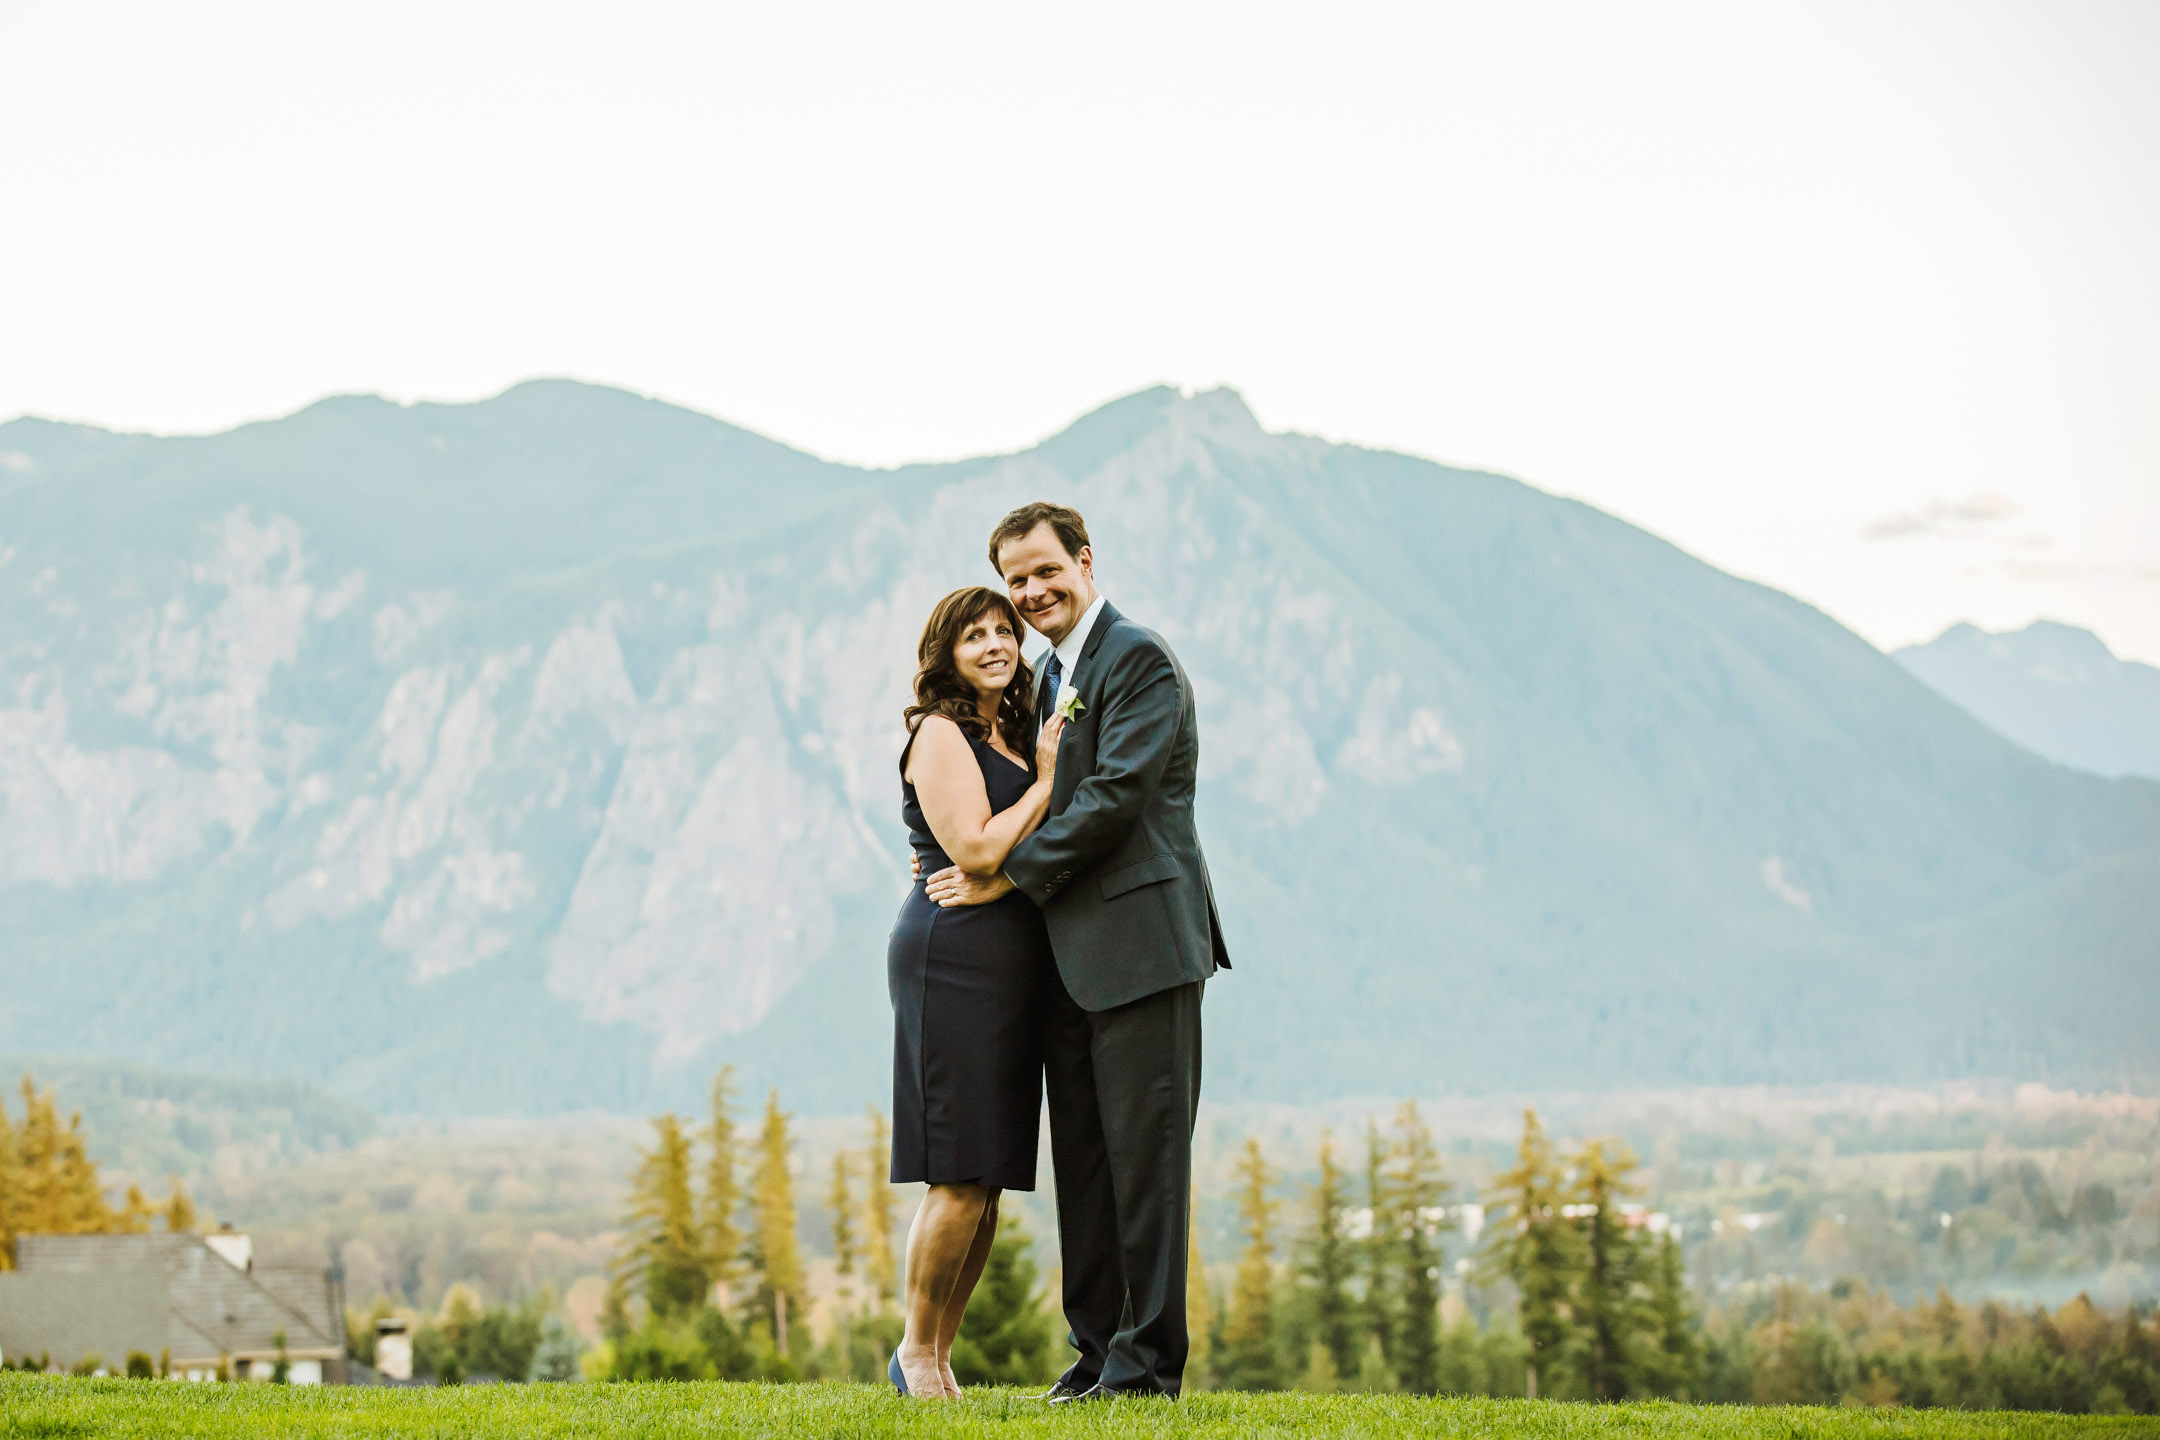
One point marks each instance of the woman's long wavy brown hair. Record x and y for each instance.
(941, 690)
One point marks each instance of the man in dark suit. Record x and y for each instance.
(1117, 870)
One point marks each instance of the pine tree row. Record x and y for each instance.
(712, 1257)
(1600, 1304)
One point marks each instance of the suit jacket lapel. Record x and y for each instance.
(1103, 622)
(1043, 699)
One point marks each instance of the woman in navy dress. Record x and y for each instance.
(968, 984)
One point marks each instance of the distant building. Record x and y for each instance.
(200, 1302)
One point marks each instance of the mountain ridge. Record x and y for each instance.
(533, 753)
(2054, 688)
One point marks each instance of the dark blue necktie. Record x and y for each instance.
(1052, 678)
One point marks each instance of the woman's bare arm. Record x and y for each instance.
(949, 786)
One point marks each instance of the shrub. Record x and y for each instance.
(660, 1351)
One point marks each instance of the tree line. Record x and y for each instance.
(1584, 1299)
(711, 1281)
(1338, 1288)
(1583, 1294)
(1601, 1309)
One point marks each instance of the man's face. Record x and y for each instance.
(1051, 588)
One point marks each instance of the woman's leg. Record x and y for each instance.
(971, 1270)
(939, 1245)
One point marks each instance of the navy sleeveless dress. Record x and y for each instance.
(970, 988)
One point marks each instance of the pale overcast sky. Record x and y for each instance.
(1859, 300)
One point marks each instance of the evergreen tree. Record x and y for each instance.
(1200, 1314)
(179, 1210)
(1320, 1377)
(136, 1212)
(1329, 1264)
(614, 1305)
(1611, 1308)
(1674, 1367)
(1416, 1190)
(1374, 1375)
(664, 1246)
(1534, 1246)
(880, 1272)
(841, 1199)
(455, 1321)
(1005, 1336)
(1378, 1254)
(1250, 1361)
(724, 1347)
(720, 1236)
(502, 1340)
(555, 1357)
(773, 1247)
(1462, 1359)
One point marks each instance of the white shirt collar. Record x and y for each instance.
(1068, 650)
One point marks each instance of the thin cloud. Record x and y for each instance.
(1971, 515)
(2056, 570)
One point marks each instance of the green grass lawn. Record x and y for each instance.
(38, 1405)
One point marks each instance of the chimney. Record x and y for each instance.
(237, 1248)
(393, 1349)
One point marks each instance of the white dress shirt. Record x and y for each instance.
(1068, 650)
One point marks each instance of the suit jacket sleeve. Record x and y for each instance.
(1140, 701)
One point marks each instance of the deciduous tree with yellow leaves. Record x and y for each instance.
(49, 1184)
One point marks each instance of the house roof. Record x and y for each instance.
(211, 1306)
(70, 1317)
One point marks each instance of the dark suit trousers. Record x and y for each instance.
(1124, 1087)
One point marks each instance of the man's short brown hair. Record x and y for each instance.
(1064, 522)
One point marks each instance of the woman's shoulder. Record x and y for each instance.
(935, 737)
(938, 729)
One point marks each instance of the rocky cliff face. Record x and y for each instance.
(540, 753)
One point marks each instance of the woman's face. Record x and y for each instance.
(987, 653)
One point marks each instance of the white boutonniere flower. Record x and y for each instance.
(1069, 704)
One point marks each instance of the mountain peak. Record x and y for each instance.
(1223, 414)
(1219, 415)
(2054, 688)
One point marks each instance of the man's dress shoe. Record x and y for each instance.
(1061, 1392)
(1101, 1392)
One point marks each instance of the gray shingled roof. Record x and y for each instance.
(69, 1317)
(93, 1254)
(210, 1307)
(307, 1294)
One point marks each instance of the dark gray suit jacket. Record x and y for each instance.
(1116, 866)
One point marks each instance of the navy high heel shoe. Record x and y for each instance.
(894, 1373)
